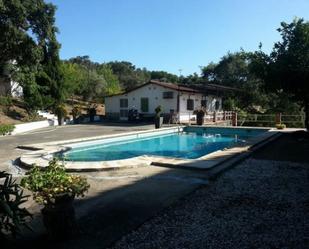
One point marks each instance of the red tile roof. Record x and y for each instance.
(163, 84)
(173, 86)
(196, 88)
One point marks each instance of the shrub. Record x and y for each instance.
(61, 111)
(6, 102)
(199, 112)
(32, 117)
(12, 216)
(158, 110)
(76, 112)
(280, 126)
(53, 183)
(6, 128)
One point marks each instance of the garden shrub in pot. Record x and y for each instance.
(56, 189)
(158, 118)
(200, 114)
(280, 126)
(61, 112)
(76, 112)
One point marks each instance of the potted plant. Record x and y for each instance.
(280, 126)
(13, 217)
(61, 112)
(76, 112)
(158, 117)
(200, 114)
(56, 189)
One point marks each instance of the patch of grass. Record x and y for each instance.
(6, 129)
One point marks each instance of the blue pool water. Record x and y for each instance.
(189, 145)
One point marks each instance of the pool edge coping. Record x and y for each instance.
(42, 153)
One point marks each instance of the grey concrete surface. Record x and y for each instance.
(117, 202)
(8, 144)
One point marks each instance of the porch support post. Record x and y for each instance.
(278, 118)
(234, 119)
(215, 116)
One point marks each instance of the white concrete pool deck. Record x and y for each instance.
(43, 153)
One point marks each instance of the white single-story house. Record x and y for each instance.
(171, 97)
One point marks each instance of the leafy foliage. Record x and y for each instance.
(6, 102)
(6, 128)
(54, 182)
(158, 110)
(128, 75)
(91, 80)
(76, 112)
(163, 76)
(280, 126)
(61, 111)
(286, 69)
(233, 70)
(28, 47)
(12, 217)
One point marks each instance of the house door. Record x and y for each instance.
(144, 105)
(123, 111)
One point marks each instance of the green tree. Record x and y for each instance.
(112, 85)
(163, 76)
(287, 67)
(128, 75)
(74, 76)
(94, 86)
(233, 70)
(28, 41)
(191, 79)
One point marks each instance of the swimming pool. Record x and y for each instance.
(190, 143)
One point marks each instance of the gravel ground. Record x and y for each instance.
(258, 204)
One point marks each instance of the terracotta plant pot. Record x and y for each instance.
(59, 218)
(158, 122)
(200, 119)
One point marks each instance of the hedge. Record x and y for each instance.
(6, 128)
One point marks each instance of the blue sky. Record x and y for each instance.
(170, 34)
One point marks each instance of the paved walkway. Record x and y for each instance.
(8, 144)
(117, 201)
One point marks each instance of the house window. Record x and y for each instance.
(144, 105)
(123, 103)
(204, 103)
(168, 95)
(217, 105)
(190, 104)
(123, 113)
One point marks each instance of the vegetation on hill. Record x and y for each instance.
(29, 54)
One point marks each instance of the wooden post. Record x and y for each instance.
(278, 118)
(215, 116)
(234, 119)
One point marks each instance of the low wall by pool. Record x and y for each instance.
(47, 151)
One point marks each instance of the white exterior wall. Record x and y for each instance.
(21, 128)
(155, 95)
(153, 92)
